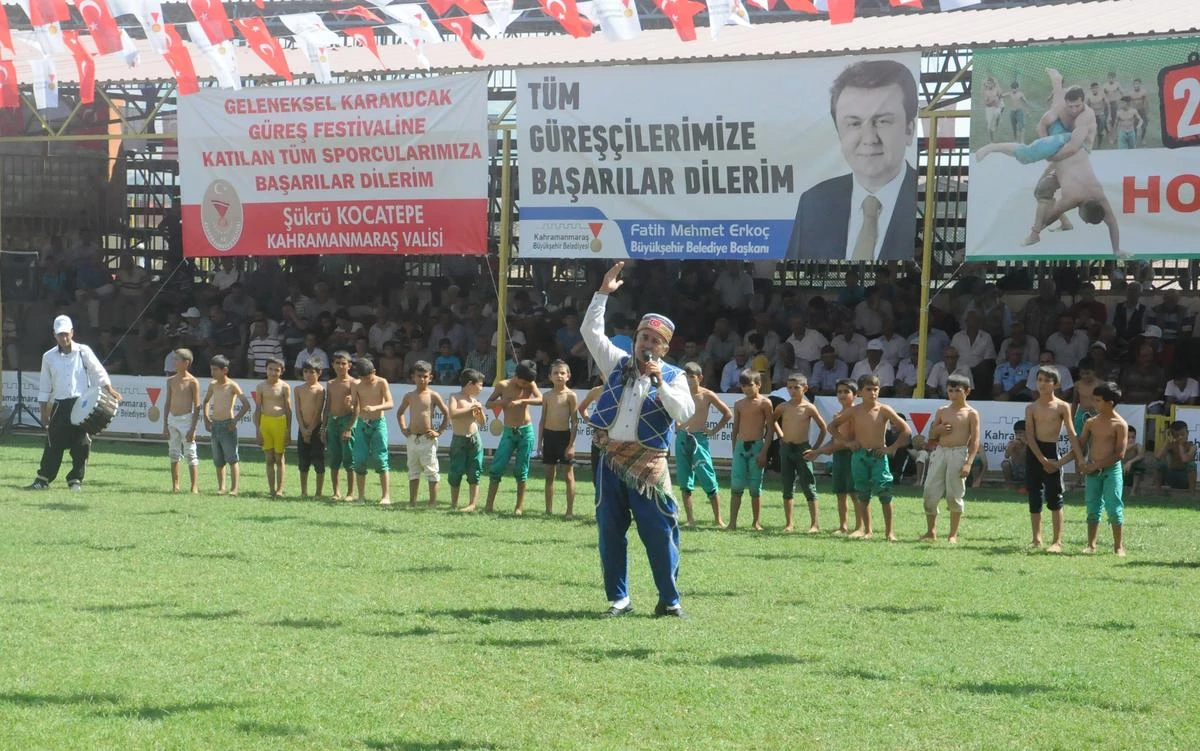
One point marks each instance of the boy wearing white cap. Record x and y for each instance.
(68, 370)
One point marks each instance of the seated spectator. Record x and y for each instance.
(311, 351)
(225, 337)
(272, 325)
(53, 283)
(806, 342)
(874, 364)
(1129, 315)
(362, 349)
(112, 354)
(1041, 311)
(871, 312)
(447, 328)
(1030, 347)
(447, 365)
(770, 339)
(417, 350)
(93, 287)
(759, 362)
(391, 364)
(1181, 389)
(323, 300)
(260, 349)
(849, 344)
(906, 371)
(482, 357)
(238, 305)
(1066, 383)
(1011, 376)
(827, 372)
(734, 287)
(936, 341)
(733, 369)
(226, 275)
(976, 350)
(1069, 344)
(721, 344)
(133, 288)
(568, 341)
(412, 299)
(150, 344)
(1087, 308)
(194, 334)
(1176, 322)
(943, 369)
(853, 293)
(995, 316)
(291, 331)
(1105, 369)
(786, 364)
(895, 347)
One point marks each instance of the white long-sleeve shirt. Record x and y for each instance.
(675, 396)
(68, 374)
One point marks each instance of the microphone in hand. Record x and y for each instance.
(654, 380)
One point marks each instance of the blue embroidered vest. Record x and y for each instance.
(654, 426)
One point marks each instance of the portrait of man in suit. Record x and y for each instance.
(869, 214)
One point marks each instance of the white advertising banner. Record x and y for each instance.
(387, 167)
(719, 161)
(1103, 135)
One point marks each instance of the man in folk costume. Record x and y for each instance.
(642, 399)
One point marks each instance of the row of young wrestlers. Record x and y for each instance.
(857, 441)
(342, 424)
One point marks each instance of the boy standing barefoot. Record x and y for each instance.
(956, 428)
(1013, 464)
(371, 399)
(751, 425)
(466, 448)
(556, 435)
(693, 460)
(339, 425)
(180, 415)
(421, 436)
(1105, 437)
(273, 419)
(869, 463)
(221, 422)
(310, 407)
(1044, 422)
(840, 439)
(515, 396)
(793, 420)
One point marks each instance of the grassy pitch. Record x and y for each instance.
(131, 618)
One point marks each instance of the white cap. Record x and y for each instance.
(63, 324)
(1099, 344)
(192, 312)
(1152, 331)
(875, 344)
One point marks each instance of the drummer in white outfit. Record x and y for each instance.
(67, 372)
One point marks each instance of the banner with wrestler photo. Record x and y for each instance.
(1085, 151)
(806, 159)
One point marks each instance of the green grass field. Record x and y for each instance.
(132, 618)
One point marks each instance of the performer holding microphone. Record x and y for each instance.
(67, 370)
(638, 406)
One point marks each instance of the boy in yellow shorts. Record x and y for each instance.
(273, 422)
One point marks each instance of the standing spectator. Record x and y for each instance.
(226, 275)
(1042, 310)
(949, 365)
(827, 372)
(976, 350)
(734, 288)
(261, 350)
(1030, 347)
(1087, 308)
(850, 345)
(806, 342)
(874, 364)
(1008, 383)
(1129, 315)
(1069, 344)
(311, 351)
(995, 316)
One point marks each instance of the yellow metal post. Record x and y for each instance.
(505, 240)
(926, 253)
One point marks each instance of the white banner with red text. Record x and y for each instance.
(1129, 182)
(386, 167)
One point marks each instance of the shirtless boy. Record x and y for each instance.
(1013, 464)
(869, 463)
(1085, 403)
(180, 415)
(310, 409)
(556, 435)
(515, 396)
(371, 399)
(956, 429)
(693, 459)
(466, 447)
(1045, 420)
(1105, 437)
(1176, 460)
(792, 422)
(418, 431)
(273, 422)
(339, 425)
(1139, 97)
(840, 447)
(752, 425)
(1133, 464)
(221, 421)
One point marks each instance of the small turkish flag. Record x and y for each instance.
(101, 25)
(181, 63)
(682, 14)
(261, 43)
(841, 11)
(462, 29)
(364, 13)
(567, 15)
(84, 64)
(365, 37)
(213, 19)
(10, 95)
(442, 7)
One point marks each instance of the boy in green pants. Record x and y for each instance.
(693, 460)
(515, 396)
(466, 448)
(1105, 436)
(840, 439)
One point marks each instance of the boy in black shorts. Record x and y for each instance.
(556, 434)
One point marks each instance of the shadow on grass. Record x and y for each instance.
(456, 535)
(430, 568)
(901, 610)
(999, 617)
(121, 607)
(516, 615)
(403, 633)
(1164, 564)
(163, 711)
(269, 729)
(306, 623)
(861, 674)
(603, 655)
(1116, 626)
(266, 518)
(164, 512)
(759, 660)
(204, 615)
(513, 576)
(447, 745)
(520, 643)
(110, 548)
(213, 556)
(1009, 689)
(69, 507)
(713, 593)
(27, 699)
(1006, 549)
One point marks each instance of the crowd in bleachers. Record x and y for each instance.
(730, 316)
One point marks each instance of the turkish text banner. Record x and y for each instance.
(1103, 135)
(386, 167)
(702, 161)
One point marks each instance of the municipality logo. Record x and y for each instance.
(221, 215)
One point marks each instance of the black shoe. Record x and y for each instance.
(616, 612)
(675, 611)
(38, 484)
(75, 485)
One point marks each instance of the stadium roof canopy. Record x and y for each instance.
(969, 28)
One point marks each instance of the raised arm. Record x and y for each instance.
(605, 353)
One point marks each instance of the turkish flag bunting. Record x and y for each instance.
(463, 29)
(42, 12)
(6, 42)
(682, 14)
(181, 63)
(442, 7)
(801, 6)
(841, 11)
(101, 25)
(212, 18)
(365, 37)
(84, 64)
(261, 43)
(10, 95)
(907, 3)
(364, 13)
(567, 14)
